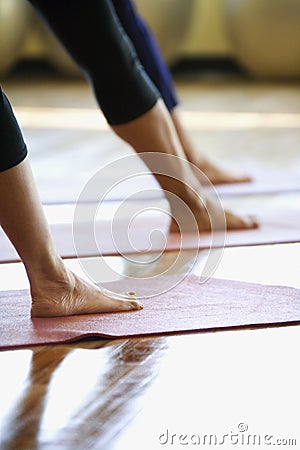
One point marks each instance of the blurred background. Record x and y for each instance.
(261, 37)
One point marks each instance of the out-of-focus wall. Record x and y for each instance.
(206, 34)
(262, 36)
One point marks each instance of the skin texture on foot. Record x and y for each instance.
(55, 291)
(71, 296)
(203, 221)
(233, 222)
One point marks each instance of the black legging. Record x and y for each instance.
(147, 50)
(12, 146)
(122, 87)
(93, 35)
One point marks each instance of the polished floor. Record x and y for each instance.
(203, 389)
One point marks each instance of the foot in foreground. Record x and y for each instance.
(69, 295)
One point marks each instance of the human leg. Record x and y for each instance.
(147, 50)
(150, 56)
(55, 290)
(93, 35)
(98, 43)
(212, 169)
(155, 130)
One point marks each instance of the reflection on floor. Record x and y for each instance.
(160, 392)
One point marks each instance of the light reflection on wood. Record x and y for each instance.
(80, 395)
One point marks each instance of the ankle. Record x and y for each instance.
(51, 268)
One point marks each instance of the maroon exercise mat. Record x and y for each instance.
(277, 226)
(190, 306)
(55, 190)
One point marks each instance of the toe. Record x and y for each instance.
(251, 222)
(135, 305)
(235, 222)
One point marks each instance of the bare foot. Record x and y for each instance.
(71, 295)
(212, 169)
(216, 173)
(233, 222)
(204, 223)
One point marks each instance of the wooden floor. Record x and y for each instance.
(161, 392)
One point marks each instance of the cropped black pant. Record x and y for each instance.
(122, 87)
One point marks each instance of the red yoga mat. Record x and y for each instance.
(276, 226)
(189, 307)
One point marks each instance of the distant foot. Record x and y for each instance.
(216, 173)
(204, 223)
(236, 222)
(71, 295)
(212, 169)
